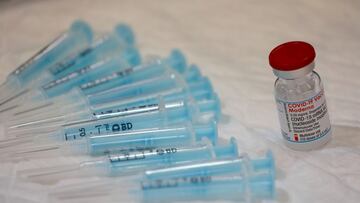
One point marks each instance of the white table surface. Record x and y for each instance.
(230, 41)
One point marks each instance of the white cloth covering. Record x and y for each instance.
(230, 41)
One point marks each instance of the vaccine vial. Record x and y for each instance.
(299, 96)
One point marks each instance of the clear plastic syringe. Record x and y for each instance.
(167, 81)
(175, 61)
(215, 167)
(130, 122)
(165, 113)
(152, 116)
(60, 86)
(47, 112)
(75, 39)
(64, 84)
(104, 47)
(235, 184)
(179, 110)
(200, 90)
(181, 134)
(116, 44)
(239, 178)
(127, 162)
(230, 187)
(114, 78)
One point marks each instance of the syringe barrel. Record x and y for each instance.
(138, 88)
(178, 111)
(132, 90)
(225, 178)
(194, 110)
(77, 38)
(57, 87)
(141, 159)
(177, 135)
(239, 165)
(206, 187)
(155, 115)
(138, 73)
(56, 112)
(84, 128)
(120, 78)
(140, 103)
(132, 161)
(197, 94)
(208, 168)
(60, 86)
(71, 102)
(104, 47)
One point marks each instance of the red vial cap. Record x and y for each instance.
(291, 56)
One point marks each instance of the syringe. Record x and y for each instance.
(101, 81)
(164, 82)
(62, 85)
(164, 115)
(237, 187)
(183, 134)
(127, 58)
(127, 162)
(227, 179)
(237, 183)
(199, 91)
(114, 44)
(75, 39)
(215, 167)
(84, 108)
(104, 47)
(175, 61)
(168, 80)
(150, 117)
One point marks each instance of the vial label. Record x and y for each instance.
(304, 121)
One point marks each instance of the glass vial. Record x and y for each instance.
(299, 96)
